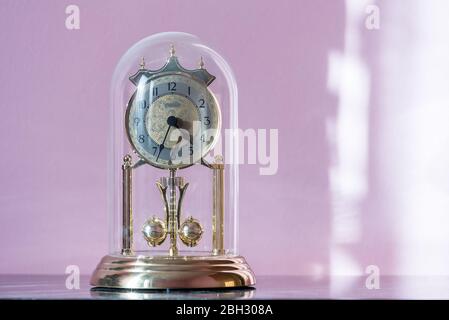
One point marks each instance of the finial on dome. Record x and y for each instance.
(142, 63)
(201, 63)
(172, 50)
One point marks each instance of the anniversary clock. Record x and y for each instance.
(173, 170)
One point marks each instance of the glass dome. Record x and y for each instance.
(173, 169)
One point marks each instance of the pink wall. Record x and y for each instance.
(54, 85)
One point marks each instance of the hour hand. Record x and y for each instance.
(183, 124)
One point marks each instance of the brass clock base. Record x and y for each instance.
(163, 272)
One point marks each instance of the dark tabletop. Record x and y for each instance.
(267, 287)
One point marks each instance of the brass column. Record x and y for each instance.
(218, 208)
(127, 219)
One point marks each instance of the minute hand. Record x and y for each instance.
(171, 121)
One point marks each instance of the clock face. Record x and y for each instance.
(173, 121)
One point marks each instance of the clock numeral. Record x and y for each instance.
(142, 104)
(141, 138)
(171, 86)
(188, 90)
(136, 121)
(155, 92)
(190, 151)
(206, 121)
(155, 150)
(201, 103)
(203, 139)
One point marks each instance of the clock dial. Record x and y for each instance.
(173, 121)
